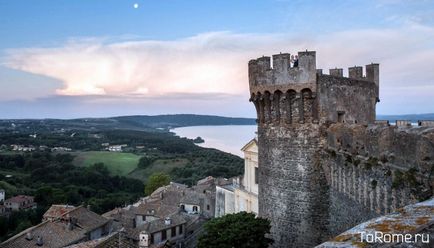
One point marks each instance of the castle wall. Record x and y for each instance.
(324, 165)
(292, 192)
(353, 99)
(374, 170)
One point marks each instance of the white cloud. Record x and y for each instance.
(212, 63)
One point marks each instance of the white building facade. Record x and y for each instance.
(242, 194)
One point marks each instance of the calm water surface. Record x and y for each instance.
(226, 138)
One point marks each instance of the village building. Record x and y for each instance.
(62, 229)
(115, 148)
(22, 148)
(171, 214)
(241, 193)
(20, 202)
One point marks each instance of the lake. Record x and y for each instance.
(229, 138)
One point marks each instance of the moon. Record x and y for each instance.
(136, 5)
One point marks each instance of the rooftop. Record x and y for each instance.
(412, 219)
(56, 233)
(115, 240)
(155, 209)
(20, 199)
(56, 211)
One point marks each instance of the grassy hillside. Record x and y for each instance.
(118, 163)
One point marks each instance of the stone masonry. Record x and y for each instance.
(325, 164)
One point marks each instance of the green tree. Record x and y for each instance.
(241, 230)
(155, 181)
(145, 161)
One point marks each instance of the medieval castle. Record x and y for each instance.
(325, 163)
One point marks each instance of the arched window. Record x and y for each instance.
(277, 106)
(267, 107)
(260, 102)
(291, 106)
(194, 208)
(306, 108)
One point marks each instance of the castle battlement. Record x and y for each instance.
(285, 94)
(372, 73)
(279, 75)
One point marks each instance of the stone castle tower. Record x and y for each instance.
(294, 107)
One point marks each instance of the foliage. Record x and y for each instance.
(198, 140)
(145, 162)
(19, 221)
(241, 230)
(52, 179)
(155, 181)
(208, 162)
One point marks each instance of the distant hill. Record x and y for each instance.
(410, 117)
(182, 120)
(151, 122)
(136, 122)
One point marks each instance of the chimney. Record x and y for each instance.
(39, 241)
(144, 240)
(29, 236)
(70, 226)
(70, 223)
(167, 221)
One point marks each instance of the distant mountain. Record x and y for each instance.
(135, 122)
(410, 117)
(182, 120)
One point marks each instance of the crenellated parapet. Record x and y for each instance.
(279, 75)
(372, 74)
(281, 93)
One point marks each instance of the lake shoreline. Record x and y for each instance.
(227, 138)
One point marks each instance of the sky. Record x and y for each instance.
(99, 58)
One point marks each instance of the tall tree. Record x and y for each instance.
(155, 181)
(241, 230)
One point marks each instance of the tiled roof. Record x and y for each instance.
(20, 198)
(191, 197)
(114, 240)
(85, 218)
(155, 226)
(55, 211)
(54, 234)
(155, 209)
(124, 217)
(206, 180)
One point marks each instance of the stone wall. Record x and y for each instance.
(292, 192)
(374, 170)
(346, 100)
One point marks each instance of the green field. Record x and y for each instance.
(118, 163)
